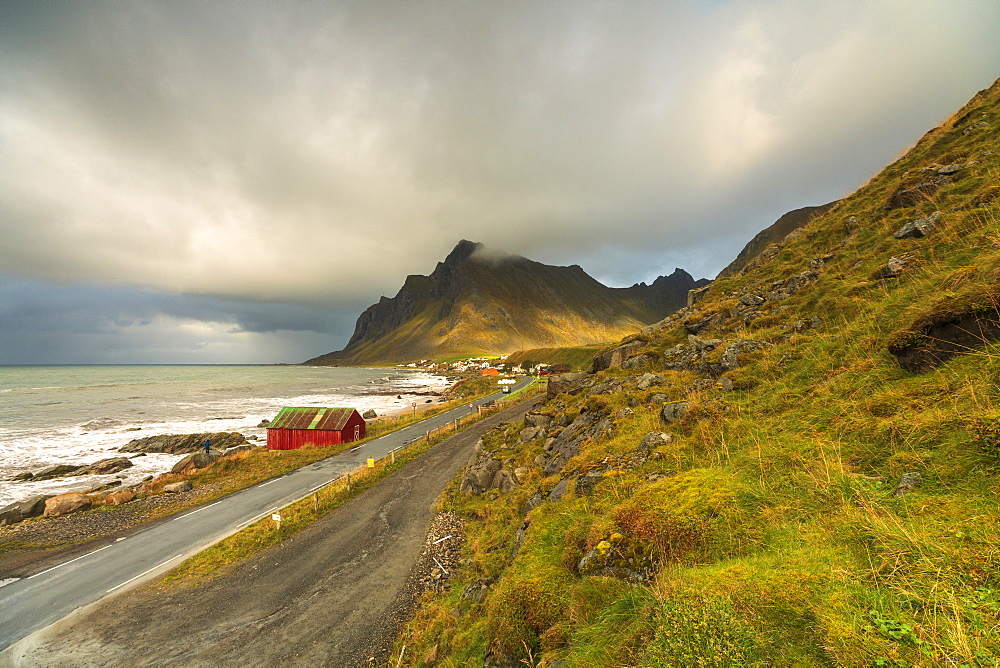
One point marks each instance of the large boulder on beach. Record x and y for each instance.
(119, 497)
(177, 487)
(198, 460)
(10, 515)
(179, 444)
(64, 504)
(105, 466)
(34, 506)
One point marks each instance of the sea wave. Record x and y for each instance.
(44, 439)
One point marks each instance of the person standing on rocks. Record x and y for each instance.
(208, 447)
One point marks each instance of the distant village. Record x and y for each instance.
(490, 367)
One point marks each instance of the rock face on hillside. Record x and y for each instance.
(477, 301)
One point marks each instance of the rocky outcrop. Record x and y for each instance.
(567, 382)
(933, 177)
(22, 510)
(699, 355)
(615, 357)
(486, 473)
(559, 450)
(647, 380)
(105, 466)
(102, 467)
(893, 268)
(55, 471)
(919, 227)
(951, 327)
(193, 462)
(537, 420)
(673, 411)
(10, 514)
(176, 444)
(34, 506)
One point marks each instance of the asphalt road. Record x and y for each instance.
(32, 603)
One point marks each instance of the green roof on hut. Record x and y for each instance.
(311, 417)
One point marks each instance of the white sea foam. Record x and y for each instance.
(48, 427)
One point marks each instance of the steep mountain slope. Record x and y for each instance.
(477, 302)
(774, 233)
(805, 472)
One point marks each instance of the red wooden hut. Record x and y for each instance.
(294, 427)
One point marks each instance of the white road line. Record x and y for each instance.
(144, 573)
(69, 562)
(200, 509)
(322, 485)
(268, 482)
(254, 519)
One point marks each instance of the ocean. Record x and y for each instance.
(81, 414)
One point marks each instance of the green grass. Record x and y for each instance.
(776, 535)
(577, 358)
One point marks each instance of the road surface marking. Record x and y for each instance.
(199, 510)
(323, 485)
(144, 573)
(66, 563)
(6, 581)
(268, 482)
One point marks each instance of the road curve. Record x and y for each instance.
(35, 602)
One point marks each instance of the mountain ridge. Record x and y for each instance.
(477, 301)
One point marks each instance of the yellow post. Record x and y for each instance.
(371, 462)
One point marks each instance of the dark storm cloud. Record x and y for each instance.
(316, 153)
(42, 322)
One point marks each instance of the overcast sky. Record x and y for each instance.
(236, 182)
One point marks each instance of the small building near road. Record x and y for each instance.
(293, 427)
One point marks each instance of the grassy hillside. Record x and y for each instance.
(812, 502)
(577, 358)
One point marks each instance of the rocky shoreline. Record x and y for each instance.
(114, 493)
(24, 544)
